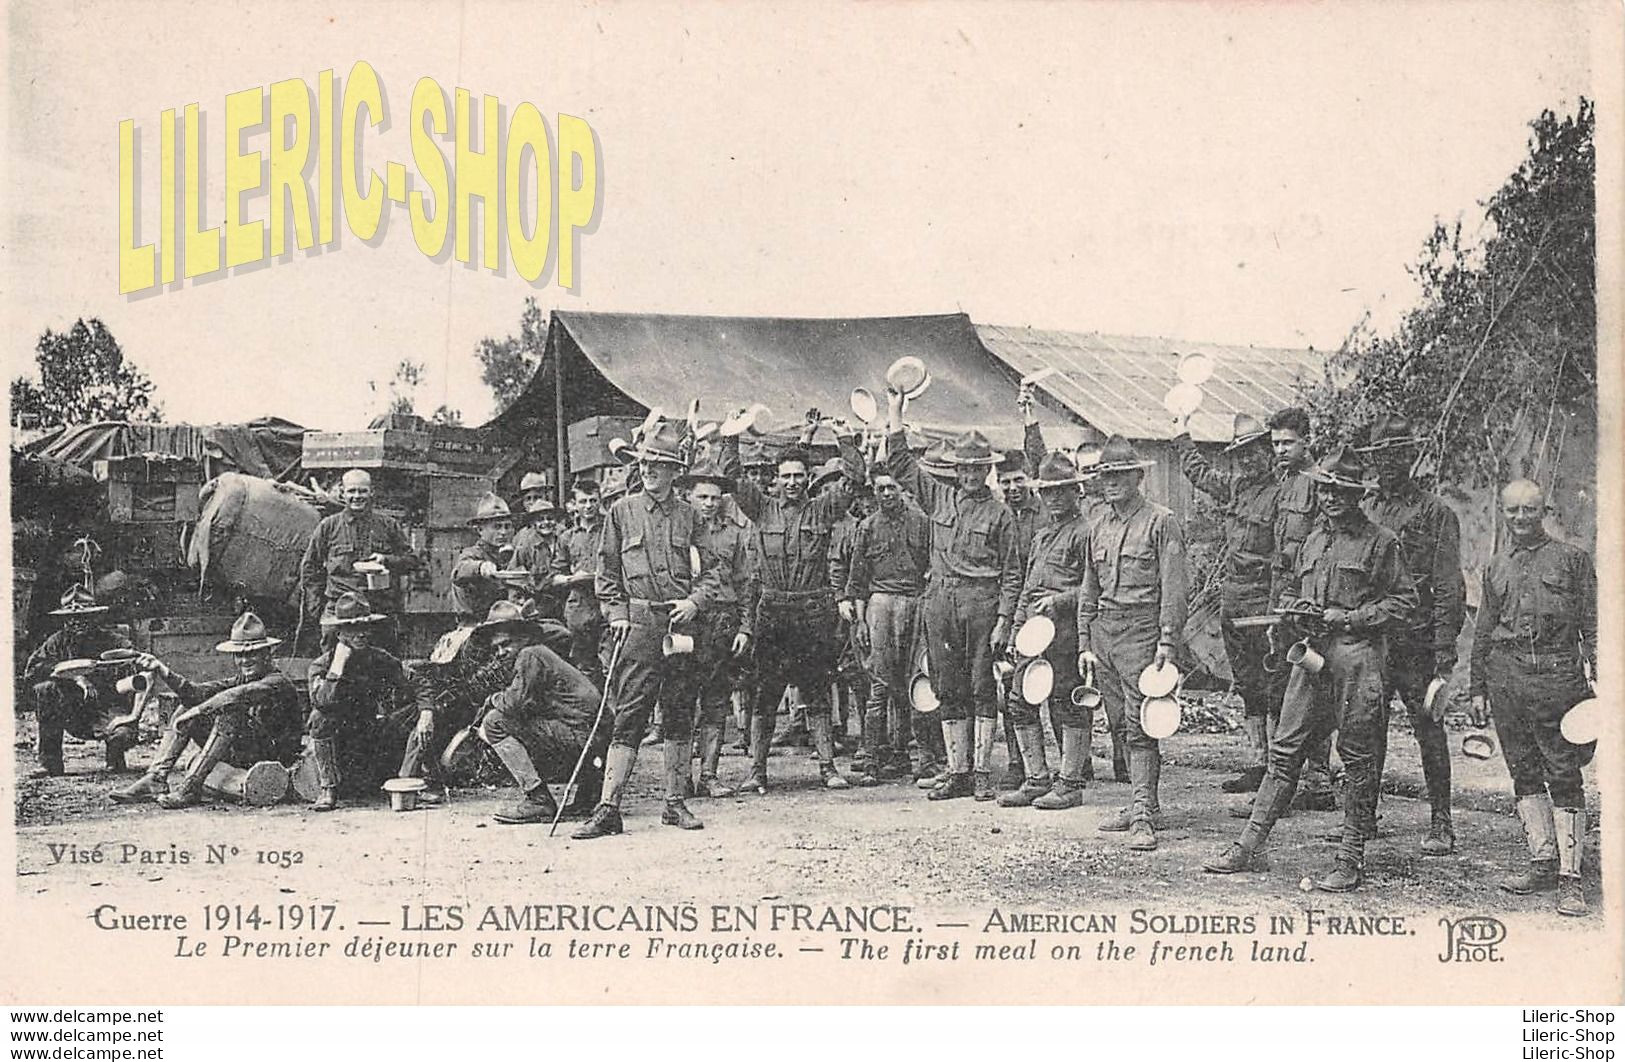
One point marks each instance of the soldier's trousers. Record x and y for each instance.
(1062, 655)
(959, 619)
(1245, 648)
(643, 678)
(894, 621)
(716, 665)
(586, 623)
(1528, 697)
(1125, 643)
(1349, 695)
(795, 646)
(1410, 671)
(63, 705)
(553, 746)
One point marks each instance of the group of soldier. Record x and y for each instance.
(715, 570)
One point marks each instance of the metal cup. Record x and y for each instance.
(675, 644)
(1086, 697)
(139, 682)
(1302, 654)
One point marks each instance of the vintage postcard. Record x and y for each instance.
(789, 502)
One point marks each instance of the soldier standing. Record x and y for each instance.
(651, 583)
(1250, 495)
(725, 630)
(891, 550)
(1131, 614)
(1422, 656)
(536, 546)
(1351, 576)
(1534, 642)
(574, 569)
(1016, 489)
(1060, 556)
(975, 580)
(355, 533)
(474, 583)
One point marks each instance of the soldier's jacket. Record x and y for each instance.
(473, 594)
(270, 702)
(1060, 558)
(725, 547)
(1430, 543)
(538, 555)
(1136, 561)
(372, 679)
(545, 687)
(1357, 568)
(1030, 518)
(69, 644)
(791, 541)
(1537, 600)
(890, 554)
(973, 535)
(650, 551)
(578, 552)
(1294, 519)
(327, 570)
(1250, 515)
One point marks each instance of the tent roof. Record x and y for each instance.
(622, 364)
(262, 447)
(1117, 383)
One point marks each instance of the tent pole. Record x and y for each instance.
(561, 454)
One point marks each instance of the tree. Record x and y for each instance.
(83, 378)
(402, 391)
(1500, 352)
(508, 364)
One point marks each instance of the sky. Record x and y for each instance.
(1239, 173)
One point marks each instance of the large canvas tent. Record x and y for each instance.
(616, 364)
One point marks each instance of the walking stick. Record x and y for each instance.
(603, 702)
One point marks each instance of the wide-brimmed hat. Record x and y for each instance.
(1247, 430)
(79, 602)
(829, 470)
(1343, 468)
(247, 635)
(1012, 461)
(1056, 470)
(542, 506)
(533, 481)
(707, 471)
(664, 442)
(1119, 455)
(507, 614)
(1388, 431)
(352, 610)
(1088, 450)
(755, 453)
(491, 507)
(971, 448)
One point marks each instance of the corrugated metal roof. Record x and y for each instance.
(1117, 383)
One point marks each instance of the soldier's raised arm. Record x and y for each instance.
(746, 494)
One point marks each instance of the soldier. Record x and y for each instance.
(1086, 456)
(756, 458)
(1534, 657)
(540, 723)
(250, 717)
(1423, 653)
(82, 705)
(651, 582)
(1060, 556)
(474, 583)
(1351, 576)
(1131, 614)
(974, 582)
(1029, 515)
(1294, 519)
(1250, 494)
(891, 551)
(352, 686)
(356, 533)
(575, 564)
(796, 618)
(536, 546)
(725, 630)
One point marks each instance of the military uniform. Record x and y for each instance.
(1294, 519)
(725, 548)
(473, 592)
(327, 571)
(1536, 633)
(577, 556)
(539, 724)
(537, 554)
(890, 556)
(975, 578)
(349, 710)
(79, 705)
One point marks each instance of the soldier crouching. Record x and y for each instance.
(243, 720)
(82, 705)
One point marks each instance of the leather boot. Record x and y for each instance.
(676, 812)
(761, 737)
(115, 751)
(536, 805)
(1540, 832)
(1120, 771)
(1067, 792)
(1571, 835)
(325, 753)
(710, 757)
(987, 734)
(1441, 838)
(1036, 782)
(606, 817)
(1014, 767)
(1235, 859)
(155, 783)
(1344, 876)
(957, 736)
(1145, 768)
(191, 791)
(824, 743)
(1248, 780)
(48, 744)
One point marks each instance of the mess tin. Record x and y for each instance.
(864, 405)
(1478, 746)
(1086, 697)
(403, 793)
(921, 697)
(1194, 369)
(1035, 635)
(1159, 717)
(908, 376)
(1582, 723)
(1037, 681)
(1159, 681)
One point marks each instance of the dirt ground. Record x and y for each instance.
(885, 844)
